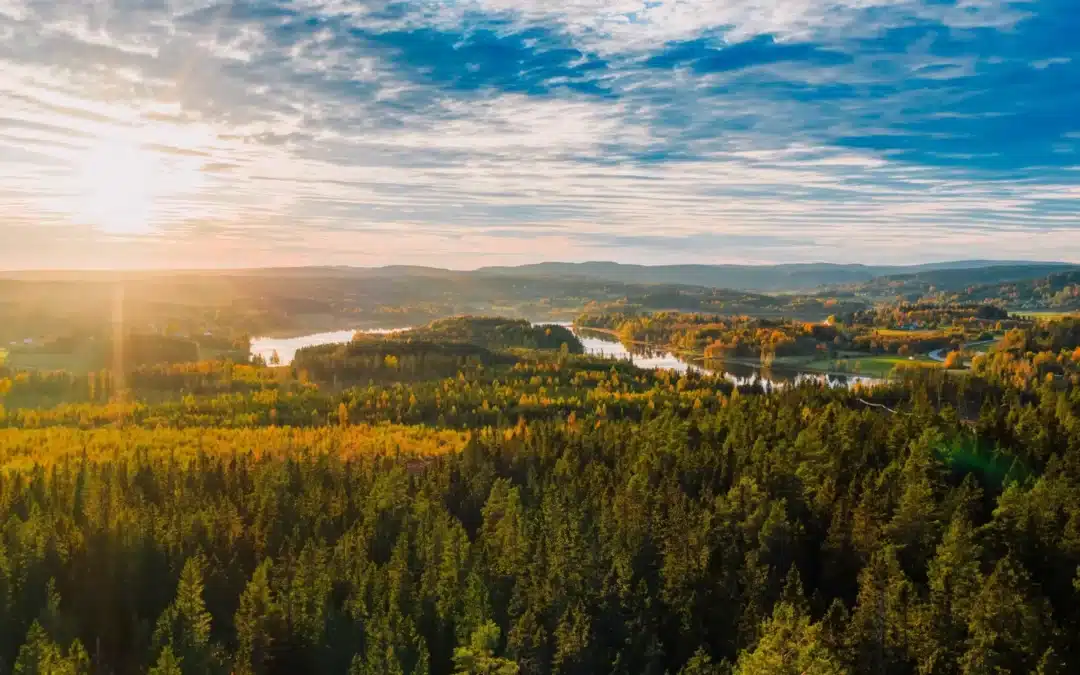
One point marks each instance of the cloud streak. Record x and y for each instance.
(502, 131)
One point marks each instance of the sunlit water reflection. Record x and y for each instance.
(286, 348)
(597, 344)
(602, 344)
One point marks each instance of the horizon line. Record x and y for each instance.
(984, 262)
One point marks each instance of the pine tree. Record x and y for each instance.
(478, 657)
(505, 538)
(40, 655)
(381, 656)
(789, 645)
(476, 610)
(258, 622)
(881, 632)
(793, 592)
(914, 527)
(167, 663)
(1008, 628)
(701, 664)
(527, 643)
(955, 579)
(185, 624)
(571, 638)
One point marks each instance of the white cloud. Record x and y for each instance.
(614, 26)
(331, 150)
(1043, 64)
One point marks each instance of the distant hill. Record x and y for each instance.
(795, 277)
(1059, 291)
(779, 278)
(287, 302)
(913, 286)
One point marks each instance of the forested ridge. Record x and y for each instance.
(541, 511)
(68, 320)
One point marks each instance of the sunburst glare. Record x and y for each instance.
(115, 186)
(124, 185)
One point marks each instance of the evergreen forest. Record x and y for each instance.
(483, 497)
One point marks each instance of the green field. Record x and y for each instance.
(912, 334)
(870, 365)
(79, 361)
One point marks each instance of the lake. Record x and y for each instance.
(286, 348)
(597, 344)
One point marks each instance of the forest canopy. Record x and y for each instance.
(479, 497)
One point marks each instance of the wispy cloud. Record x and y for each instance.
(475, 131)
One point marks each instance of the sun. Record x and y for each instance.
(116, 187)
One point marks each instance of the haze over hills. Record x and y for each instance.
(759, 278)
(916, 284)
(1059, 291)
(774, 278)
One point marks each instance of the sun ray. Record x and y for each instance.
(116, 187)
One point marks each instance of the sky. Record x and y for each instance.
(462, 133)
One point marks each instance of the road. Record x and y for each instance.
(939, 354)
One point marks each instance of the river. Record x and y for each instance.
(597, 344)
(601, 344)
(286, 348)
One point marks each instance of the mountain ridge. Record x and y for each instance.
(785, 277)
(767, 278)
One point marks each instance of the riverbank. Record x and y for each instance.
(793, 365)
(284, 349)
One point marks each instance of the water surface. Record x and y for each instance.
(603, 344)
(286, 348)
(596, 344)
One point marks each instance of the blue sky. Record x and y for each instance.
(144, 133)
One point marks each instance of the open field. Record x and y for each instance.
(852, 363)
(78, 361)
(872, 365)
(213, 354)
(1051, 316)
(911, 334)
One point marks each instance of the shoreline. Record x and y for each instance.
(698, 360)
